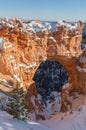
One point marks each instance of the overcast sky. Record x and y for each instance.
(69, 10)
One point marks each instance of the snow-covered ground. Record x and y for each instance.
(75, 120)
(8, 123)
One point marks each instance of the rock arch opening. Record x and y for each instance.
(49, 78)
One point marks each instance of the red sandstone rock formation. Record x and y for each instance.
(24, 45)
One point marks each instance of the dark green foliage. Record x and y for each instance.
(17, 104)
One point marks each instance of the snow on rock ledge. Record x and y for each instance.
(81, 69)
(1, 43)
(36, 25)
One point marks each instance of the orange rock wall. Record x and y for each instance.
(23, 51)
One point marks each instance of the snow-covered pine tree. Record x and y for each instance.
(17, 104)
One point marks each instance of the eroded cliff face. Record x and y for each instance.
(25, 44)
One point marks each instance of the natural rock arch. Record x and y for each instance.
(50, 76)
(49, 79)
(23, 50)
(65, 50)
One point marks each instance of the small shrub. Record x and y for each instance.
(17, 104)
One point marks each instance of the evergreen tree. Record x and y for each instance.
(17, 104)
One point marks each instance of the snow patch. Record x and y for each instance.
(67, 85)
(31, 65)
(81, 69)
(4, 82)
(65, 37)
(8, 46)
(52, 106)
(1, 42)
(3, 101)
(17, 77)
(83, 59)
(52, 38)
(72, 27)
(38, 39)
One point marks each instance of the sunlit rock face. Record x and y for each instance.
(25, 44)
